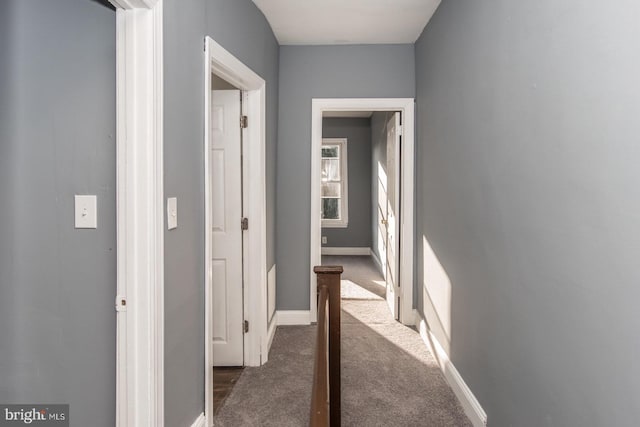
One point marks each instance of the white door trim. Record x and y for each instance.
(406, 106)
(224, 64)
(140, 214)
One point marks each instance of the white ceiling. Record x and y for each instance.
(315, 22)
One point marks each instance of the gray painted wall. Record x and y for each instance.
(57, 284)
(242, 29)
(527, 194)
(358, 133)
(184, 30)
(306, 72)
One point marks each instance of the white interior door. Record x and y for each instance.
(226, 188)
(392, 214)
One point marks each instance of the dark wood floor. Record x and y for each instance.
(224, 378)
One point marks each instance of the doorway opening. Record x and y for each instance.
(235, 216)
(360, 201)
(362, 192)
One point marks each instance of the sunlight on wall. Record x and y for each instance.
(436, 296)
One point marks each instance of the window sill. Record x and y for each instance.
(334, 224)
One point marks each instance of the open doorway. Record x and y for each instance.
(226, 183)
(360, 202)
(362, 192)
(235, 216)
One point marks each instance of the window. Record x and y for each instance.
(334, 183)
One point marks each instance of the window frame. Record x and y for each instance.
(343, 222)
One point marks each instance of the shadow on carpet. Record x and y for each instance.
(389, 378)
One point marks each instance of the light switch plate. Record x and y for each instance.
(86, 211)
(172, 213)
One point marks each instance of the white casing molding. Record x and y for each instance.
(407, 107)
(140, 214)
(222, 63)
(293, 317)
(470, 404)
(271, 314)
(326, 250)
(271, 293)
(200, 421)
(271, 333)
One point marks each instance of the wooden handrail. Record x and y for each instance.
(320, 391)
(325, 396)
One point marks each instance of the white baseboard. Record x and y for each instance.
(471, 406)
(293, 317)
(345, 251)
(201, 421)
(378, 263)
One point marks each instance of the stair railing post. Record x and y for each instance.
(329, 276)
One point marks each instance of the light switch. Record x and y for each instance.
(172, 213)
(86, 211)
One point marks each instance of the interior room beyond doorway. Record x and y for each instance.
(359, 203)
(327, 184)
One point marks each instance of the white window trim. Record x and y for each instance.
(343, 222)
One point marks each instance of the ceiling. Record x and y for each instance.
(321, 22)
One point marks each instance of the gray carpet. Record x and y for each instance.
(389, 378)
(360, 279)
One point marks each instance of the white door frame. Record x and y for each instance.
(219, 61)
(407, 107)
(140, 219)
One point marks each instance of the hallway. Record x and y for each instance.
(389, 378)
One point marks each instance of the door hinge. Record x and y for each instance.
(244, 224)
(400, 130)
(246, 326)
(121, 303)
(244, 122)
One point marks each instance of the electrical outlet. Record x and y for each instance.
(324, 240)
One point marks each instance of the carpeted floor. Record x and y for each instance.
(389, 378)
(360, 279)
